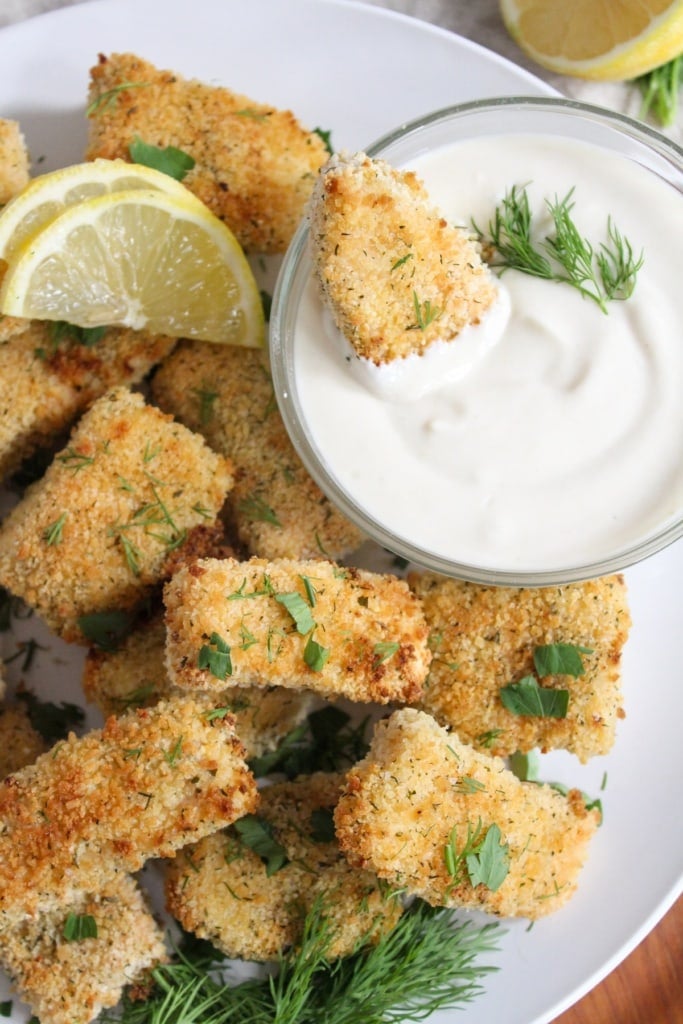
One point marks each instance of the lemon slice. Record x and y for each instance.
(600, 39)
(140, 259)
(48, 195)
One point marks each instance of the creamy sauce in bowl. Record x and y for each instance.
(561, 443)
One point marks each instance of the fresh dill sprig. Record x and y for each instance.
(660, 89)
(428, 962)
(603, 275)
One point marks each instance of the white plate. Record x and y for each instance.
(360, 71)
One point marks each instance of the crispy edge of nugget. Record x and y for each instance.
(226, 394)
(135, 676)
(67, 982)
(254, 164)
(45, 384)
(395, 275)
(484, 638)
(420, 790)
(220, 890)
(14, 160)
(95, 807)
(96, 532)
(371, 627)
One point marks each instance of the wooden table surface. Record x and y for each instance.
(646, 988)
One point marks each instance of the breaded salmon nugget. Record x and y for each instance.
(420, 807)
(48, 377)
(225, 393)
(93, 808)
(20, 744)
(307, 625)
(96, 532)
(484, 639)
(396, 276)
(14, 160)
(254, 165)
(135, 676)
(69, 982)
(222, 890)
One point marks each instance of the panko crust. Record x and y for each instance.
(396, 276)
(219, 888)
(14, 160)
(483, 638)
(20, 744)
(254, 164)
(67, 982)
(93, 808)
(45, 384)
(94, 534)
(371, 625)
(135, 676)
(226, 394)
(419, 782)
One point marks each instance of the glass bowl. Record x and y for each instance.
(429, 531)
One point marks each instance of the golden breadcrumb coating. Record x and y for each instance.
(45, 382)
(226, 394)
(96, 532)
(483, 638)
(420, 790)
(370, 626)
(69, 982)
(93, 808)
(396, 276)
(20, 744)
(14, 160)
(220, 889)
(135, 676)
(254, 165)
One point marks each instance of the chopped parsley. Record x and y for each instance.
(169, 160)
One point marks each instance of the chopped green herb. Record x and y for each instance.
(661, 90)
(267, 303)
(456, 860)
(315, 655)
(136, 698)
(52, 534)
(525, 765)
(310, 590)
(215, 656)
(384, 650)
(169, 159)
(326, 136)
(258, 510)
(206, 398)
(257, 834)
(107, 99)
(26, 651)
(106, 630)
(322, 825)
(75, 460)
(299, 610)
(53, 721)
(466, 784)
(530, 699)
(327, 741)
(6, 1008)
(400, 262)
(603, 275)
(560, 659)
(79, 926)
(425, 313)
(173, 755)
(489, 864)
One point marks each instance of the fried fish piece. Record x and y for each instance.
(221, 890)
(254, 164)
(49, 375)
(226, 394)
(94, 808)
(135, 676)
(308, 625)
(395, 275)
(14, 160)
(484, 638)
(421, 804)
(20, 744)
(70, 982)
(95, 533)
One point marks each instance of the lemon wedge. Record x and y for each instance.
(48, 195)
(139, 259)
(597, 39)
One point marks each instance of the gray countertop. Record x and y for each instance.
(478, 20)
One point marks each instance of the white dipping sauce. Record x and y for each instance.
(563, 443)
